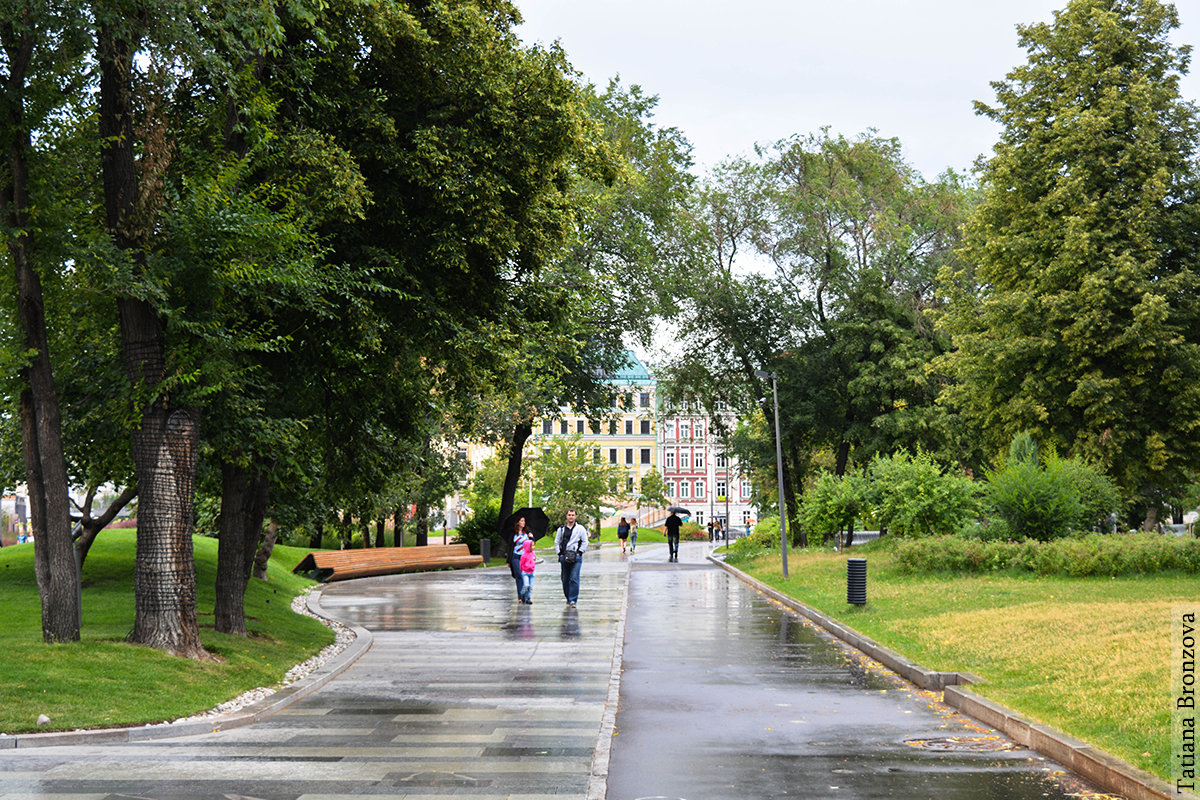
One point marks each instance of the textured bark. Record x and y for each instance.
(398, 527)
(166, 441)
(41, 422)
(380, 528)
(263, 554)
(318, 534)
(243, 508)
(422, 524)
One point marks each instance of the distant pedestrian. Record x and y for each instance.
(528, 562)
(710, 531)
(633, 534)
(623, 534)
(672, 524)
(569, 542)
(520, 536)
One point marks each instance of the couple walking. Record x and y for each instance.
(570, 542)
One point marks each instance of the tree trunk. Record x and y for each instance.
(366, 527)
(422, 524)
(90, 526)
(318, 535)
(513, 475)
(345, 532)
(41, 421)
(380, 528)
(166, 442)
(243, 507)
(263, 555)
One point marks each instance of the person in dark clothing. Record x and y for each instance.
(672, 524)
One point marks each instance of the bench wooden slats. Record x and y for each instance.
(340, 565)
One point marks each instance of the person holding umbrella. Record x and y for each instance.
(533, 522)
(672, 524)
(569, 542)
(526, 561)
(520, 539)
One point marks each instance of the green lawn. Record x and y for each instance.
(1089, 656)
(101, 681)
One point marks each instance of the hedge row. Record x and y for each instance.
(1093, 554)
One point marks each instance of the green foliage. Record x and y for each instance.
(1048, 498)
(569, 476)
(1066, 316)
(1093, 555)
(483, 524)
(653, 489)
(914, 496)
(832, 504)
(765, 536)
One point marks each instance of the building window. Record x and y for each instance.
(612, 427)
(629, 484)
(700, 518)
(745, 489)
(684, 458)
(594, 425)
(722, 461)
(612, 455)
(628, 455)
(548, 426)
(645, 455)
(698, 461)
(746, 517)
(579, 426)
(685, 489)
(644, 400)
(645, 427)
(596, 455)
(670, 459)
(699, 432)
(672, 491)
(722, 488)
(685, 430)
(546, 451)
(683, 404)
(629, 427)
(700, 490)
(562, 427)
(722, 405)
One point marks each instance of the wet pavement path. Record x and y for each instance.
(724, 694)
(466, 694)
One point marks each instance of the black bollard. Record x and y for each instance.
(856, 581)
(485, 549)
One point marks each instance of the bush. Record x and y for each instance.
(913, 496)
(1047, 498)
(483, 524)
(1088, 555)
(765, 536)
(692, 532)
(831, 505)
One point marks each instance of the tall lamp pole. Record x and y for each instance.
(779, 467)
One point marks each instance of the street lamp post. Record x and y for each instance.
(779, 467)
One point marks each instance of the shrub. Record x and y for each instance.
(1047, 498)
(483, 524)
(832, 504)
(1075, 556)
(913, 496)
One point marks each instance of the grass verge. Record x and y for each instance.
(1089, 656)
(101, 681)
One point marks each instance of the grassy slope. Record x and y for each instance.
(101, 681)
(1089, 656)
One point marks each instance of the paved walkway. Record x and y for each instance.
(463, 693)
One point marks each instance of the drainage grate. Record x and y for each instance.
(974, 744)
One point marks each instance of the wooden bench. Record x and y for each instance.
(339, 565)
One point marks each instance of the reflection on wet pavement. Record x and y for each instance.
(726, 695)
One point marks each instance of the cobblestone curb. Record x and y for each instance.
(1106, 771)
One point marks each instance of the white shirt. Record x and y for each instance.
(577, 538)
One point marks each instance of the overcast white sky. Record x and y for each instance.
(732, 74)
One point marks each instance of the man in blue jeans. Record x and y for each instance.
(570, 541)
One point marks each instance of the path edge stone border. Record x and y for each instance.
(262, 709)
(1103, 769)
(598, 781)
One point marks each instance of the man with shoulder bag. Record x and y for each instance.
(570, 541)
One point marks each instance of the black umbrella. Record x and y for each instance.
(536, 523)
(680, 510)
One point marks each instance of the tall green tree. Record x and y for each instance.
(1077, 319)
